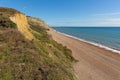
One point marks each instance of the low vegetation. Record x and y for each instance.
(7, 11)
(5, 22)
(39, 59)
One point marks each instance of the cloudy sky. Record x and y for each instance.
(70, 12)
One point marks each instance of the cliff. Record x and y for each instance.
(22, 24)
(27, 52)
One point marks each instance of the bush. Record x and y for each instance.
(6, 23)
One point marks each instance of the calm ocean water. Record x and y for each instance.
(107, 36)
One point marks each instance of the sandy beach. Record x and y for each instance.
(94, 63)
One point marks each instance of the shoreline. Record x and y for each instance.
(94, 62)
(89, 42)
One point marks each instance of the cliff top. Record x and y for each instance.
(7, 11)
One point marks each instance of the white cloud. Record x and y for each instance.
(93, 22)
(108, 14)
(106, 19)
(114, 20)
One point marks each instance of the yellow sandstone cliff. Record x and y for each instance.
(22, 24)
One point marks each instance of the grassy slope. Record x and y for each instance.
(40, 59)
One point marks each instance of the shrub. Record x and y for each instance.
(6, 23)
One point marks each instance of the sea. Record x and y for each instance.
(105, 37)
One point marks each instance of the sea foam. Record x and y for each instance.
(95, 44)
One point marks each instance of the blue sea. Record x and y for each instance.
(106, 36)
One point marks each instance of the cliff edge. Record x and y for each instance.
(27, 52)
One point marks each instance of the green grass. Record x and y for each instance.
(6, 23)
(29, 60)
(54, 54)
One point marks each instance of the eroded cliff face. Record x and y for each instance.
(22, 24)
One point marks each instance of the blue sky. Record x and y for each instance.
(70, 12)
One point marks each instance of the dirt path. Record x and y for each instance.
(94, 63)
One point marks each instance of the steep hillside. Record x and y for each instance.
(37, 21)
(27, 52)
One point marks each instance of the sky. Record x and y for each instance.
(70, 12)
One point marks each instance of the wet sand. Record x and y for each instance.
(94, 63)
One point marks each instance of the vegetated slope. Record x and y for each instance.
(36, 58)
